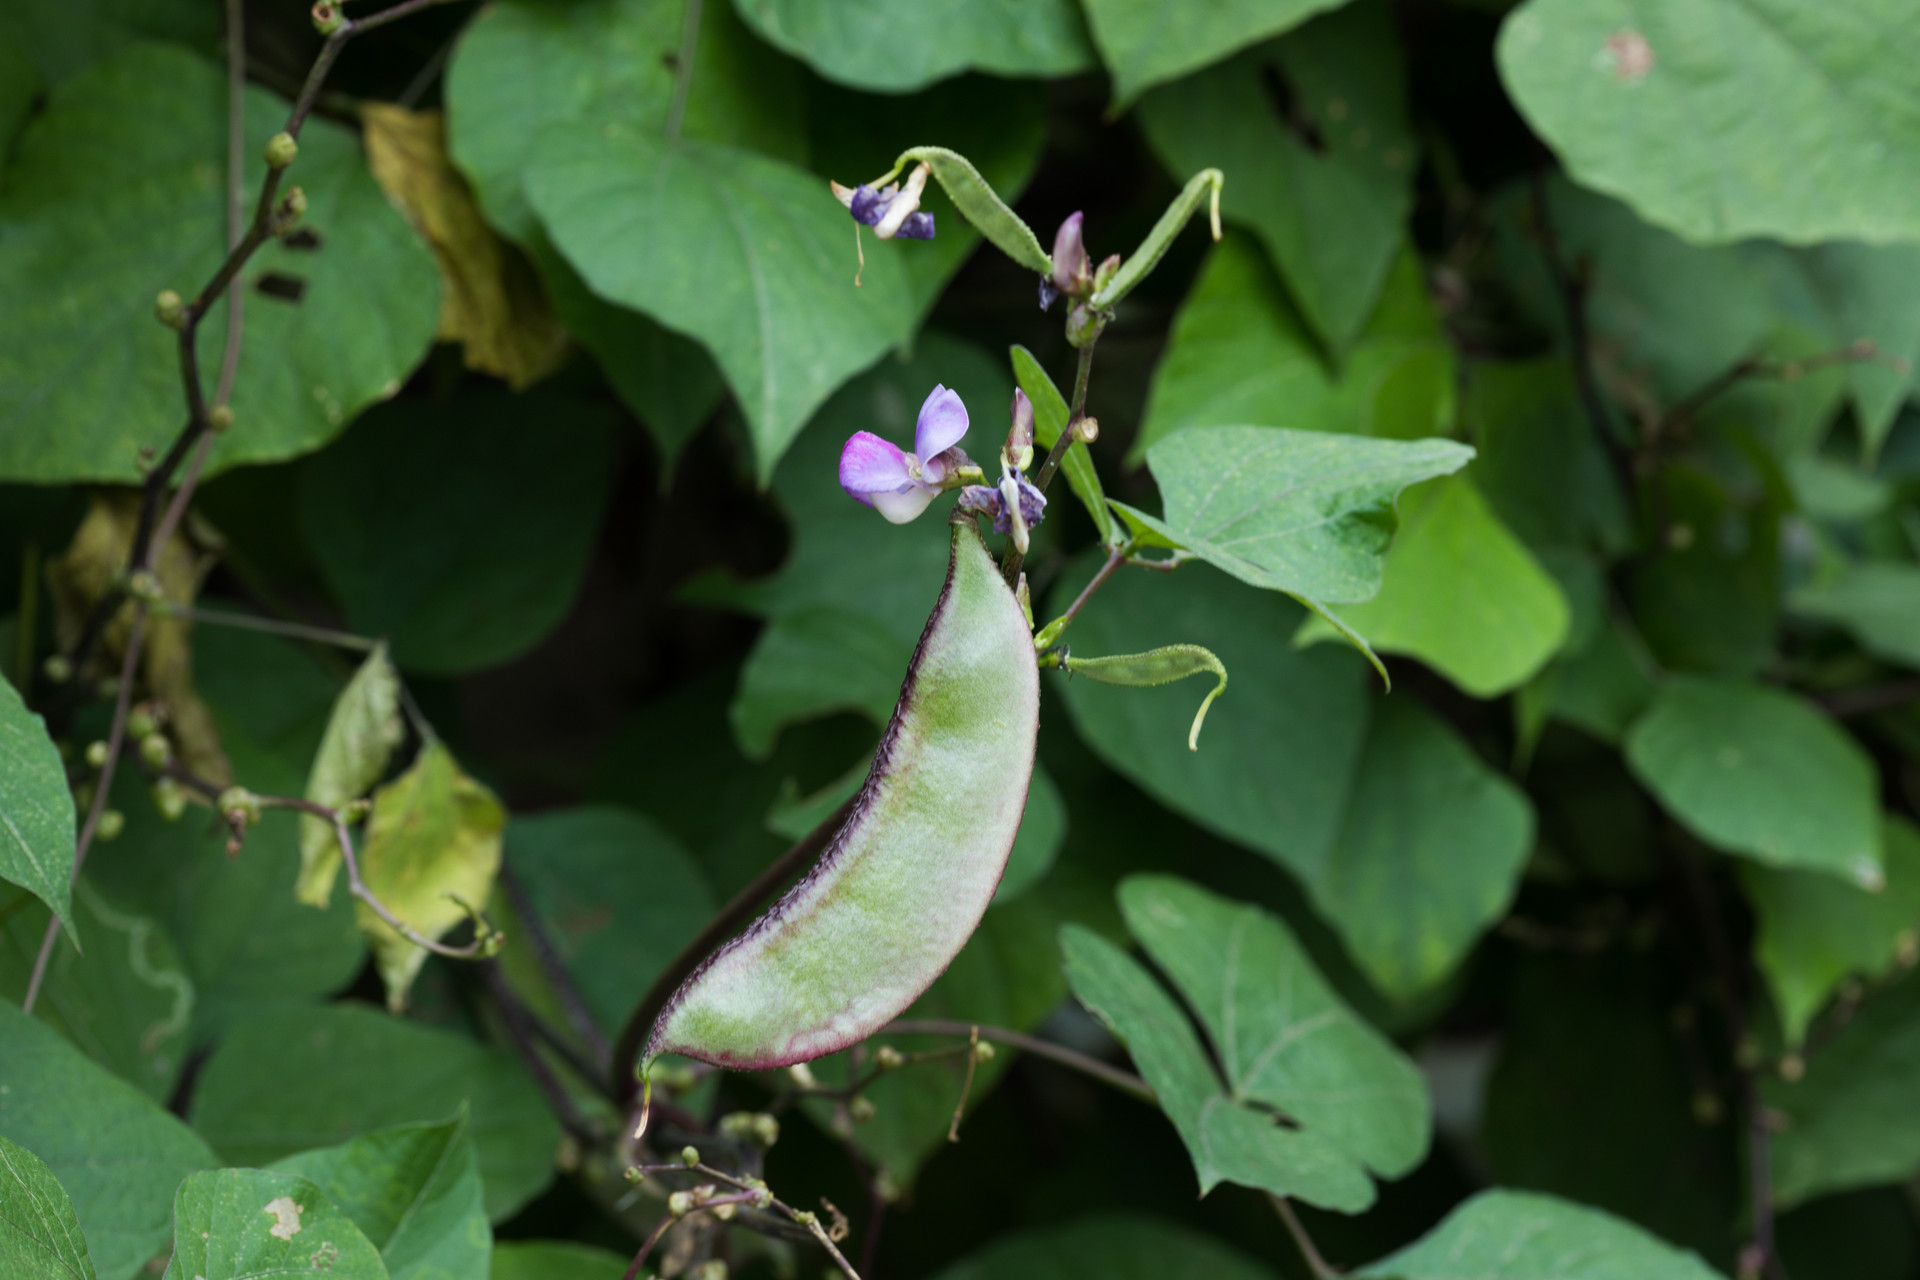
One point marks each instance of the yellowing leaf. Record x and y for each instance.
(434, 837)
(91, 565)
(361, 734)
(492, 302)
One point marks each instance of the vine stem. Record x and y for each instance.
(1010, 566)
(1125, 1081)
(1302, 1241)
(804, 1219)
(272, 626)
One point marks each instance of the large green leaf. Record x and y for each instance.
(87, 376)
(1239, 352)
(1878, 602)
(871, 44)
(40, 1238)
(1461, 594)
(471, 571)
(1130, 1247)
(812, 663)
(1330, 209)
(36, 809)
(256, 1224)
(1816, 930)
(744, 253)
(414, 1192)
(1518, 1235)
(555, 1260)
(1145, 43)
(358, 1070)
(1725, 119)
(1759, 773)
(1850, 1122)
(1280, 1034)
(1303, 512)
(118, 1155)
(1228, 1140)
(1406, 841)
(60, 39)
(1541, 465)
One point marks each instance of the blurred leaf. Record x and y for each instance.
(1461, 594)
(61, 39)
(1815, 931)
(245, 939)
(40, 1238)
(88, 375)
(473, 570)
(813, 663)
(1604, 686)
(1861, 1235)
(1850, 1122)
(238, 1224)
(1760, 774)
(1878, 602)
(555, 1260)
(1050, 414)
(1133, 1247)
(362, 733)
(432, 845)
(1325, 176)
(1228, 1139)
(36, 809)
(1144, 43)
(618, 898)
(415, 1194)
(744, 253)
(491, 301)
(19, 86)
(1595, 1097)
(127, 1003)
(1708, 599)
(1043, 829)
(359, 1070)
(1831, 490)
(1303, 512)
(1540, 464)
(1239, 352)
(1516, 1235)
(92, 565)
(1788, 103)
(895, 48)
(117, 1154)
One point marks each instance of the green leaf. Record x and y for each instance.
(743, 253)
(19, 86)
(357, 1070)
(239, 1224)
(1815, 931)
(432, 850)
(1297, 511)
(813, 663)
(471, 571)
(618, 898)
(1850, 1120)
(1708, 599)
(555, 1260)
(118, 1155)
(36, 809)
(39, 1236)
(60, 40)
(1050, 414)
(86, 244)
(1878, 602)
(1603, 686)
(1331, 216)
(1541, 466)
(1228, 1140)
(1760, 774)
(1461, 594)
(1725, 119)
(1156, 667)
(1043, 829)
(1144, 43)
(1407, 843)
(361, 736)
(1518, 1235)
(127, 1003)
(897, 48)
(414, 1192)
(1281, 1035)
(1239, 352)
(1133, 1247)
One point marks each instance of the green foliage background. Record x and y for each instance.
(1582, 954)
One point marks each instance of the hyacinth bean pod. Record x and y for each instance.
(905, 880)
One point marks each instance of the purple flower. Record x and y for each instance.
(1072, 269)
(1030, 508)
(900, 485)
(892, 210)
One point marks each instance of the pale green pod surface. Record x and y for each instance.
(904, 882)
(1156, 666)
(979, 204)
(1206, 183)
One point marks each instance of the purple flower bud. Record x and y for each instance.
(1072, 271)
(1019, 447)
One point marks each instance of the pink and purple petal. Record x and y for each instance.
(899, 508)
(943, 420)
(870, 465)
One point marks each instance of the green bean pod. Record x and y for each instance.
(906, 878)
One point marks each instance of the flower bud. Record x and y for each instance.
(155, 751)
(169, 799)
(1072, 272)
(327, 17)
(1108, 269)
(680, 1203)
(1087, 429)
(96, 755)
(58, 668)
(239, 805)
(712, 1268)
(170, 309)
(982, 1052)
(112, 823)
(1084, 325)
(1018, 453)
(219, 418)
(724, 1212)
(689, 1156)
(281, 149)
(636, 1175)
(801, 1074)
(141, 722)
(144, 584)
(861, 1109)
(886, 1057)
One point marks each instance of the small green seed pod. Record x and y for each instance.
(58, 669)
(281, 150)
(170, 309)
(155, 750)
(112, 823)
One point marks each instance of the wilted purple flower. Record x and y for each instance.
(1031, 507)
(891, 211)
(900, 485)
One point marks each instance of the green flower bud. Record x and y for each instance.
(219, 418)
(144, 584)
(680, 1203)
(58, 669)
(170, 309)
(689, 1156)
(112, 823)
(96, 755)
(861, 1110)
(327, 17)
(239, 805)
(982, 1052)
(886, 1057)
(142, 722)
(281, 149)
(155, 750)
(169, 799)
